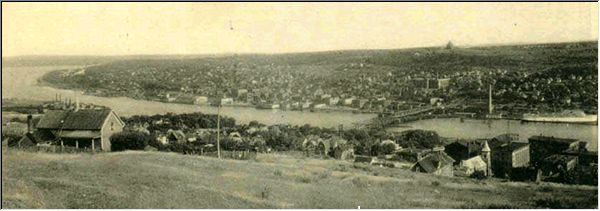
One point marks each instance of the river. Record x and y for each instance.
(21, 82)
(475, 128)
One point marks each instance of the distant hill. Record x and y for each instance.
(522, 55)
(54, 60)
(57, 60)
(359, 73)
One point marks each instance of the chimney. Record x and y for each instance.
(490, 105)
(29, 124)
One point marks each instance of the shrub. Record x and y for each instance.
(545, 189)
(559, 203)
(420, 139)
(129, 141)
(185, 148)
(363, 167)
(435, 183)
(387, 148)
(342, 168)
(266, 191)
(324, 174)
(478, 175)
(360, 182)
(156, 144)
(304, 179)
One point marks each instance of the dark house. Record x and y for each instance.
(584, 157)
(542, 147)
(503, 139)
(31, 138)
(84, 128)
(557, 165)
(463, 149)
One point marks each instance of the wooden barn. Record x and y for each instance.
(90, 128)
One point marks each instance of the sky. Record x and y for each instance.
(213, 28)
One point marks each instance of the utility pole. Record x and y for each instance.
(219, 130)
(490, 105)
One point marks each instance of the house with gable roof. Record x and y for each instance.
(84, 128)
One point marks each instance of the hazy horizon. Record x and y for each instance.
(214, 29)
(282, 53)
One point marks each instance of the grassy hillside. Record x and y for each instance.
(166, 180)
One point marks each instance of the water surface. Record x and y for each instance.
(473, 128)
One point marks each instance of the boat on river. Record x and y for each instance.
(567, 116)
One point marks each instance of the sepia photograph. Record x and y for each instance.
(299, 105)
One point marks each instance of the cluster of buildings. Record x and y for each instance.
(320, 98)
(504, 156)
(355, 85)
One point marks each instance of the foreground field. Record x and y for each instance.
(168, 180)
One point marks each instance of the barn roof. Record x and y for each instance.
(86, 119)
(430, 162)
(79, 134)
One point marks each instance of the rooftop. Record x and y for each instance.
(513, 146)
(434, 161)
(552, 139)
(85, 119)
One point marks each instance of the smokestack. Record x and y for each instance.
(490, 106)
(29, 123)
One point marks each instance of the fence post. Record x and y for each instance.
(93, 147)
(77, 144)
(62, 146)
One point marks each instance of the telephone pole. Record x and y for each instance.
(490, 105)
(219, 130)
